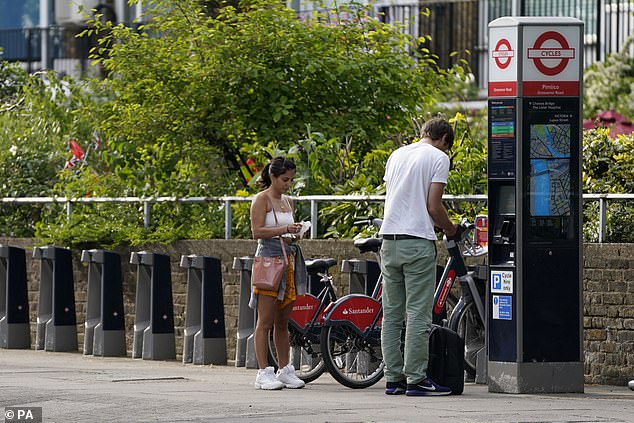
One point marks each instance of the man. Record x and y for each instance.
(415, 177)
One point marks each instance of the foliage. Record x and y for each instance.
(469, 163)
(37, 116)
(256, 75)
(337, 219)
(12, 78)
(249, 81)
(365, 177)
(608, 167)
(192, 95)
(609, 85)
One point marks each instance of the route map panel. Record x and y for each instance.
(550, 169)
(550, 141)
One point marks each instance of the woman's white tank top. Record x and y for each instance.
(283, 217)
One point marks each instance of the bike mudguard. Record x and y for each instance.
(447, 283)
(304, 308)
(355, 309)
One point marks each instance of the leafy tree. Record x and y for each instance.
(609, 85)
(252, 76)
(189, 96)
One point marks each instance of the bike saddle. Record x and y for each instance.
(366, 245)
(319, 265)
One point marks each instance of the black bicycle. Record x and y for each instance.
(305, 325)
(467, 316)
(351, 332)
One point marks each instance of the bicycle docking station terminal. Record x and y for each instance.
(534, 295)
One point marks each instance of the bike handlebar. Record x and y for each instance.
(470, 246)
(370, 221)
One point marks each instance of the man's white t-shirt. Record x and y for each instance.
(409, 173)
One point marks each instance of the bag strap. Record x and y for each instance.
(280, 237)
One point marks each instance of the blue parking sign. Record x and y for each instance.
(496, 281)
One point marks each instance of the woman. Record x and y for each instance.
(272, 218)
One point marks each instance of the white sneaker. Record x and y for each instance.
(286, 375)
(265, 379)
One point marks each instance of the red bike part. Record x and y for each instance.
(304, 308)
(360, 310)
(444, 293)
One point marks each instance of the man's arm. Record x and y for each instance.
(437, 210)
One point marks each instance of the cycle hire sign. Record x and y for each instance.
(502, 281)
(551, 61)
(503, 62)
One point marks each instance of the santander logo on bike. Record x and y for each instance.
(304, 307)
(446, 287)
(366, 310)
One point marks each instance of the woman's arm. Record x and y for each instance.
(258, 217)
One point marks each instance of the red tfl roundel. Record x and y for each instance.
(502, 53)
(561, 55)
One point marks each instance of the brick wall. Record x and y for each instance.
(608, 295)
(609, 313)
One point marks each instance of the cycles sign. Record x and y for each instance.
(503, 53)
(503, 59)
(559, 56)
(551, 65)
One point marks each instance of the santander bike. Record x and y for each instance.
(305, 323)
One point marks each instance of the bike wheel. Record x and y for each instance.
(308, 366)
(471, 329)
(351, 360)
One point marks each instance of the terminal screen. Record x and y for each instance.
(549, 173)
(550, 145)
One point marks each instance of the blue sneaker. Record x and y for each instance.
(426, 387)
(396, 388)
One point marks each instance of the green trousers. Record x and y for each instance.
(409, 274)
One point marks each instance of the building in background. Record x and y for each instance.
(41, 34)
(459, 28)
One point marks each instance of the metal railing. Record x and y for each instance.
(314, 201)
(55, 47)
(603, 207)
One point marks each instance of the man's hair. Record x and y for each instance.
(436, 128)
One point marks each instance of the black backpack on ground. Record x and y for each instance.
(446, 355)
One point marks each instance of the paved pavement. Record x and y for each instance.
(71, 387)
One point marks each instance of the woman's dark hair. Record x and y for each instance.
(275, 167)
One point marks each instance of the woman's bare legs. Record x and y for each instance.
(280, 334)
(267, 310)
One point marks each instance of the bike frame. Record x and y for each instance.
(308, 310)
(456, 269)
